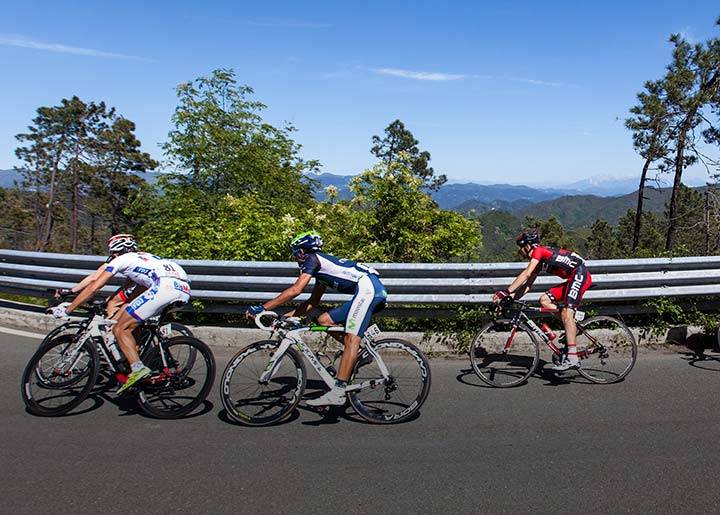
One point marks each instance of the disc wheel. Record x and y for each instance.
(251, 402)
(60, 376)
(503, 356)
(608, 349)
(396, 398)
(173, 390)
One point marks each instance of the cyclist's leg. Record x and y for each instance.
(147, 305)
(356, 314)
(574, 290)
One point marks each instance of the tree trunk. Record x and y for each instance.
(641, 198)
(49, 219)
(75, 217)
(679, 159)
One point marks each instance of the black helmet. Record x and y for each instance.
(528, 237)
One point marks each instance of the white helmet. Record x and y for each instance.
(122, 243)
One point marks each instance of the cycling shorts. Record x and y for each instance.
(166, 291)
(370, 297)
(570, 293)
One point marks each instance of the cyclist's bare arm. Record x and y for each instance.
(89, 291)
(524, 288)
(521, 281)
(310, 304)
(289, 294)
(85, 282)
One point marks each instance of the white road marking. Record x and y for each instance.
(18, 332)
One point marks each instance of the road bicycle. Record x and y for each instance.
(264, 382)
(65, 369)
(506, 352)
(143, 334)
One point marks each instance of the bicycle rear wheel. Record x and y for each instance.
(173, 390)
(504, 356)
(398, 397)
(60, 376)
(253, 403)
(607, 348)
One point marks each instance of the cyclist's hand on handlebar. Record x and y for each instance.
(254, 311)
(500, 296)
(60, 311)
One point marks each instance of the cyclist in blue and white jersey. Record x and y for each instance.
(159, 282)
(345, 276)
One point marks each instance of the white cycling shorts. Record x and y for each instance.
(166, 291)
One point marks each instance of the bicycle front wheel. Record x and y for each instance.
(60, 376)
(607, 348)
(173, 390)
(252, 402)
(396, 398)
(503, 355)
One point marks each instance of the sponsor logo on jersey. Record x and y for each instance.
(565, 260)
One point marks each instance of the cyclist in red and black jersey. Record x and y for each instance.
(563, 263)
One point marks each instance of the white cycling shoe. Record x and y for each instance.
(335, 397)
(567, 363)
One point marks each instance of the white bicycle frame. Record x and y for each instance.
(93, 330)
(294, 337)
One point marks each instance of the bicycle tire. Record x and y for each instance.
(146, 347)
(59, 329)
(165, 393)
(399, 399)
(287, 385)
(508, 370)
(52, 405)
(615, 356)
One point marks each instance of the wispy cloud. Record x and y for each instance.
(417, 75)
(63, 49)
(444, 77)
(287, 24)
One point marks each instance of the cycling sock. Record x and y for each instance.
(339, 383)
(137, 366)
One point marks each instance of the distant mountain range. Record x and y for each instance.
(571, 204)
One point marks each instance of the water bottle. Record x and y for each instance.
(112, 345)
(548, 332)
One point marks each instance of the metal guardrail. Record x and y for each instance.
(418, 284)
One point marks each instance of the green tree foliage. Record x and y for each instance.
(690, 221)
(185, 223)
(601, 242)
(651, 241)
(400, 146)
(221, 145)
(76, 158)
(396, 220)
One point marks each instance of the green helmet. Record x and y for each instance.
(309, 241)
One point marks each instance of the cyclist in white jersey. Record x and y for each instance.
(159, 283)
(345, 276)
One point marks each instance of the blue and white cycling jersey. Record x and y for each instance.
(145, 269)
(340, 274)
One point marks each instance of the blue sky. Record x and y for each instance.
(506, 91)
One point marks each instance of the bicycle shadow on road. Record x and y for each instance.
(698, 346)
(468, 377)
(128, 404)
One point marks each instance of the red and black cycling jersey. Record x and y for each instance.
(560, 262)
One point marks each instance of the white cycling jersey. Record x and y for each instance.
(145, 269)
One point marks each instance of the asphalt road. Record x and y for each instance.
(648, 445)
